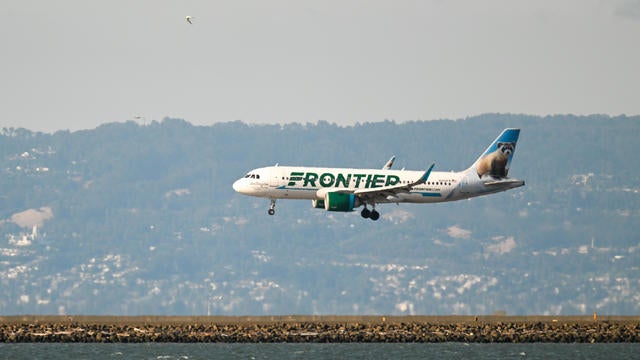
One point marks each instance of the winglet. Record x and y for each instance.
(389, 163)
(425, 176)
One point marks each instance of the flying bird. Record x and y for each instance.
(189, 18)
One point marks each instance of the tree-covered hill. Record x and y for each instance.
(141, 219)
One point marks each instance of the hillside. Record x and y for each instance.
(127, 219)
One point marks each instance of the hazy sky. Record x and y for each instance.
(75, 64)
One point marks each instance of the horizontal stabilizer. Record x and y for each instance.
(504, 183)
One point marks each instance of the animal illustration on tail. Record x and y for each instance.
(495, 164)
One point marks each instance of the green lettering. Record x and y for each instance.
(377, 181)
(310, 178)
(293, 177)
(392, 180)
(358, 178)
(345, 181)
(326, 180)
(368, 184)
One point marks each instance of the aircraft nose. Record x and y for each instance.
(242, 186)
(237, 186)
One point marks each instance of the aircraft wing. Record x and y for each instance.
(386, 191)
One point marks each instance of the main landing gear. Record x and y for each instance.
(370, 214)
(272, 207)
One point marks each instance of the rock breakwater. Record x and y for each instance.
(316, 329)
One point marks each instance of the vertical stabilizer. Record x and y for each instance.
(494, 162)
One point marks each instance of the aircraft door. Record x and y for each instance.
(465, 186)
(263, 181)
(273, 178)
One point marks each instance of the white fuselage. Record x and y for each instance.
(344, 189)
(295, 182)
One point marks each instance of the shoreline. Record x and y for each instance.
(319, 329)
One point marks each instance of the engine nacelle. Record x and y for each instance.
(318, 204)
(335, 201)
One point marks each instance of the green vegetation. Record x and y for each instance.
(144, 221)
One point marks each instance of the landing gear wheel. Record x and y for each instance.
(374, 215)
(365, 213)
(272, 207)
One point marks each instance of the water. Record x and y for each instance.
(170, 351)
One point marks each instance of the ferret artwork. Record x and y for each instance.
(495, 163)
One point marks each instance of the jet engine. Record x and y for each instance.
(335, 201)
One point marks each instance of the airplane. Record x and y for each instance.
(345, 189)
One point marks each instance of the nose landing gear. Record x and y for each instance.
(272, 207)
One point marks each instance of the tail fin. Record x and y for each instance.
(495, 161)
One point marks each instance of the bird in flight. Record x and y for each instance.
(189, 18)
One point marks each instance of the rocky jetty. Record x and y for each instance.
(330, 329)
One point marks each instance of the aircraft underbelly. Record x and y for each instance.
(415, 197)
(293, 193)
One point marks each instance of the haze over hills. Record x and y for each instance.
(131, 219)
